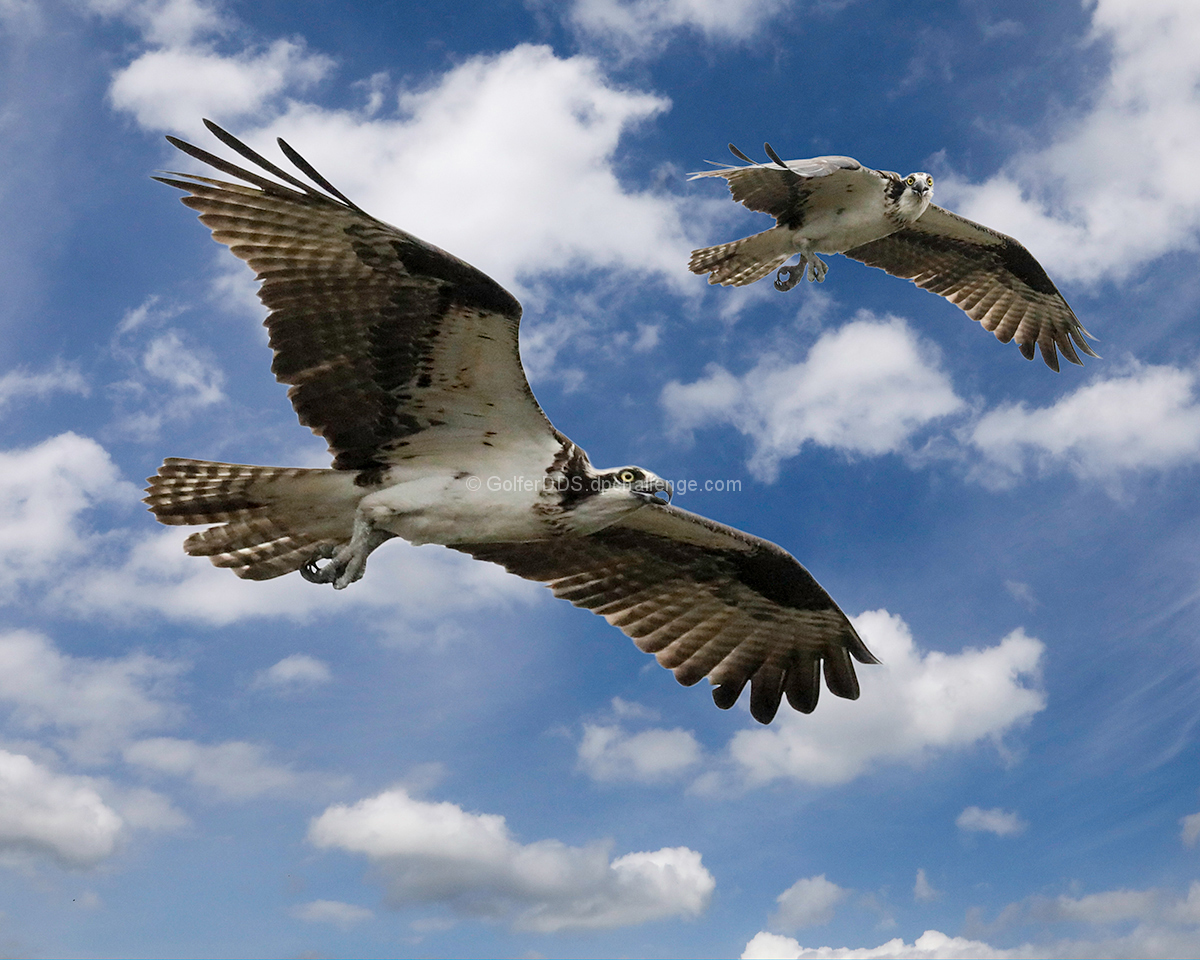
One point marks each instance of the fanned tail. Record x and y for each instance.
(271, 520)
(740, 262)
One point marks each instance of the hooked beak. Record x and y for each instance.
(647, 490)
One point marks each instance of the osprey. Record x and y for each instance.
(836, 205)
(405, 359)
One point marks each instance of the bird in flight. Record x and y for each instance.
(836, 205)
(405, 360)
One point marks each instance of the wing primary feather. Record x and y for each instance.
(270, 186)
(766, 691)
(774, 156)
(803, 684)
(1048, 354)
(311, 171)
(725, 695)
(254, 156)
(1026, 350)
(839, 673)
(738, 153)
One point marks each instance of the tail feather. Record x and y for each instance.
(740, 262)
(270, 520)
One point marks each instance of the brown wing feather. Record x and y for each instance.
(706, 599)
(992, 277)
(372, 327)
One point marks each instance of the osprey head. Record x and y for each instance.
(633, 482)
(594, 499)
(914, 200)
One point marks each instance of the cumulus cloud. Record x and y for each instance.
(296, 672)
(1003, 823)
(234, 770)
(866, 388)
(1134, 143)
(184, 77)
(915, 705)
(641, 27)
(931, 945)
(439, 853)
(809, 902)
(54, 814)
(610, 752)
(343, 915)
(43, 489)
(1157, 922)
(553, 124)
(1146, 419)
(93, 705)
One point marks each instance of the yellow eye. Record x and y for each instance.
(911, 181)
(627, 476)
(930, 180)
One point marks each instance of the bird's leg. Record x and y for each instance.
(348, 562)
(789, 276)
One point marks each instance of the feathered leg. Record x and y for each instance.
(348, 562)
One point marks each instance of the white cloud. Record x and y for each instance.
(295, 672)
(42, 491)
(1003, 823)
(1190, 831)
(553, 124)
(439, 853)
(57, 815)
(427, 583)
(166, 22)
(1158, 923)
(866, 389)
(640, 27)
(1110, 906)
(809, 902)
(931, 945)
(1147, 419)
(343, 915)
(1116, 188)
(93, 704)
(172, 87)
(913, 706)
(923, 890)
(235, 769)
(59, 378)
(609, 752)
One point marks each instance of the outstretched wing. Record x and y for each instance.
(784, 188)
(992, 277)
(393, 348)
(708, 600)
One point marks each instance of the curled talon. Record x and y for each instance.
(788, 277)
(315, 574)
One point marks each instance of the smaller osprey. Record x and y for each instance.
(836, 205)
(405, 359)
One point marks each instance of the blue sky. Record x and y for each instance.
(443, 760)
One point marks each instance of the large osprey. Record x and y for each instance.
(836, 205)
(405, 359)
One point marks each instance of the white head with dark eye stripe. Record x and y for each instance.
(594, 499)
(636, 482)
(917, 195)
